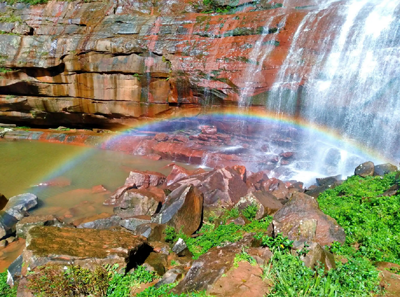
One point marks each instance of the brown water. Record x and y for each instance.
(73, 171)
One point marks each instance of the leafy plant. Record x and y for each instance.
(250, 211)
(5, 289)
(279, 242)
(4, 18)
(170, 234)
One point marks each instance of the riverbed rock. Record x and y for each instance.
(177, 173)
(328, 181)
(383, 169)
(365, 169)
(27, 223)
(301, 219)
(183, 210)
(15, 210)
(136, 202)
(84, 247)
(141, 180)
(14, 271)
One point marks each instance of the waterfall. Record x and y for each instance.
(353, 83)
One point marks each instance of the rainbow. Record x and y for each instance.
(252, 114)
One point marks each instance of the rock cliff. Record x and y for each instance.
(108, 63)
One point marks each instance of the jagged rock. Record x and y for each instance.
(14, 271)
(318, 255)
(177, 173)
(136, 180)
(183, 210)
(160, 247)
(3, 243)
(170, 277)
(328, 181)
(180, 247)
(136, 203)
(27, 223)
(223, 186)
(16, 209)
(237, 221)
(3, 201)
(209, 130)
(301, 219)
(365, 169)
(383, 169)
(84, 247)
(152, 231)
(254, 181)
(268, 201)
(102, 223)
(132, 223)
(210, 266)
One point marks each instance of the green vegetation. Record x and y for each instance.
(371, 221)
(10, 18)
(5, 289)
(243, 257)
(5, 70)
(8, 33)
(221, 235)
(212, 7)
(291, 277)
(31, 2)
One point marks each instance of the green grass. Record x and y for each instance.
(5, 289)
(371, 223)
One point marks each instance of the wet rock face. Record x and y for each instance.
(365, 169)
(105, 63)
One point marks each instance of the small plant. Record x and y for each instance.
(136, 75)
(9, 97)
(174, 263)
(279, 242)
(5, 70)
(170, 234)
(243, 257)
(250, 211)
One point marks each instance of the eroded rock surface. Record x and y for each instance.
(84, 247)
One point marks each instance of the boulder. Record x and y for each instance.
(16, 209)
(137, 180)
(161, 137)
(210, 267)
(224, 186)
(328, 181)
(132, 223)
(27, 223)
(182, 210)
(269, 202)
(14, 271)
(383, 169)
(301, 219)
(365, 169)
(177, 173)
(136, 202)
(151, 231)
(158, 262)
(390, 278)
(170, 277)
(209, 130)
(180, 247)
(85, 247)
(317, 255)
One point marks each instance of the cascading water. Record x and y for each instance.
(349, 81)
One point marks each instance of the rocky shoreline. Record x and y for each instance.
(156, 218)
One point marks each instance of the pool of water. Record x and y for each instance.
(71, 172)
